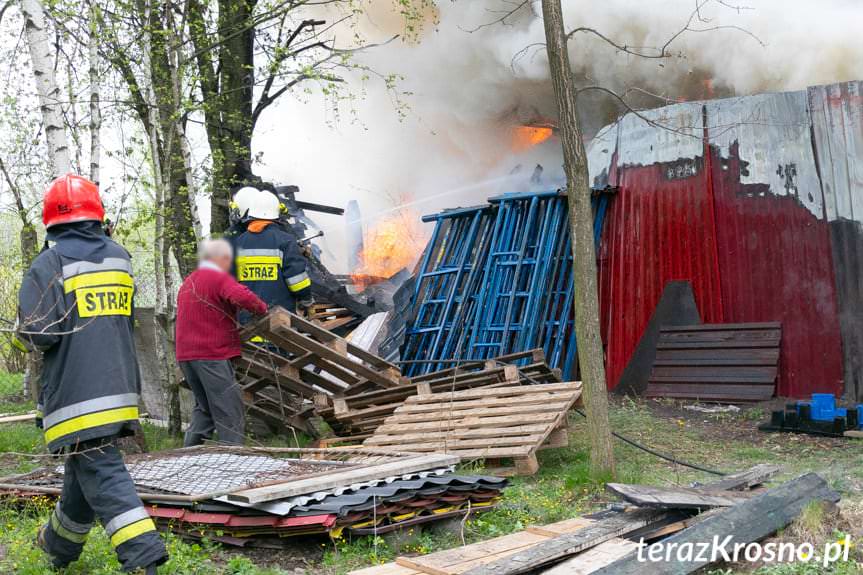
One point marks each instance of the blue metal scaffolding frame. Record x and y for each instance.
(497, 279)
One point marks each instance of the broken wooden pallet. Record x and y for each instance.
(502, 422)
(717, 362)
(314, 350)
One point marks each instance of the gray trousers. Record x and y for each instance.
(96, 484)
(218, 402)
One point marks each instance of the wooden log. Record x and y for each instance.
(749, 521)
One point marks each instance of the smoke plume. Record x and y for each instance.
(472, 78)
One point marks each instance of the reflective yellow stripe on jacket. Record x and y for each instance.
(299, 282)
(89, 414)
(101, 289)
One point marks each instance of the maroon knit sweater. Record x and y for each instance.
(207, 306)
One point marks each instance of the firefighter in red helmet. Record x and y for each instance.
(75, 306)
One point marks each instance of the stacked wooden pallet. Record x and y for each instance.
(354, 417)
(501, 423)
(717, 362)
(287, 360)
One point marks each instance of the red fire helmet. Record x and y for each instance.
(71, 198)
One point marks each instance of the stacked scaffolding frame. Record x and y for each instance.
(497, 279)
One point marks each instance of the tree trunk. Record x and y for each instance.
(95, 81)
(232, 155)
(590, 353)
(42, 56)
(29, 243)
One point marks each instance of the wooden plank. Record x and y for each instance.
(31, 416)
(337, 478)
(593, 559)
(566, 545)
(717, 377)
(711, 392)
(487, 433)
(744, 523)
(726, 326)
(504, 421)
(719, 344)
(674, 497)
(514, 452)
(461, 559)
(453, 562)
(402, 417)
(323, 335)
(447, 406)
(711, 373)
(745, 479)
(501, 391)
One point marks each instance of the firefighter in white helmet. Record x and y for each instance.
(268, 259)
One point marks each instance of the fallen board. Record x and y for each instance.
(749, 521)
(503, 422)
(566, 545)
(674, 497)
(716, 362)
(594, 559)
(459, 560)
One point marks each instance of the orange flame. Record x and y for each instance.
(526, 137)
(393, 243)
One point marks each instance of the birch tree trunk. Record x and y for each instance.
(590, 354)
(42, 56)
(95, 83)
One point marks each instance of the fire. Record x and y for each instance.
(526, 137)
(393, 243)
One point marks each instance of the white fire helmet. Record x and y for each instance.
(252, 203)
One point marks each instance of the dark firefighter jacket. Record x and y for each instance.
(75, 305)
(269, 263)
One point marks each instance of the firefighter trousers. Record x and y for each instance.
(96, 484)
(218, 402)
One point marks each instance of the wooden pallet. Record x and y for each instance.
(315, 356)
(358, 415)
(717, 362)
(279, 384)
(499, 423)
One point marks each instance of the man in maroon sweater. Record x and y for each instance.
(208, 339)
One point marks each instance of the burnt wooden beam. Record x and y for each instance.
(744, 523)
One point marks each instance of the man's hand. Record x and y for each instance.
(304, 304)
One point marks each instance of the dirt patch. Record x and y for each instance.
(299, 555)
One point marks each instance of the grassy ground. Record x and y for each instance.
(563, 488)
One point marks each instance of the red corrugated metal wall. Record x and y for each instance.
(775, 264)
(750, 256)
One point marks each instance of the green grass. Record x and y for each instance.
(563, 488)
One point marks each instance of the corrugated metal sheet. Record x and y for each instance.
(837, 131)
(774, 244)
(736, 210)
(659, 229)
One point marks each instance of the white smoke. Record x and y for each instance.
(467, 85)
